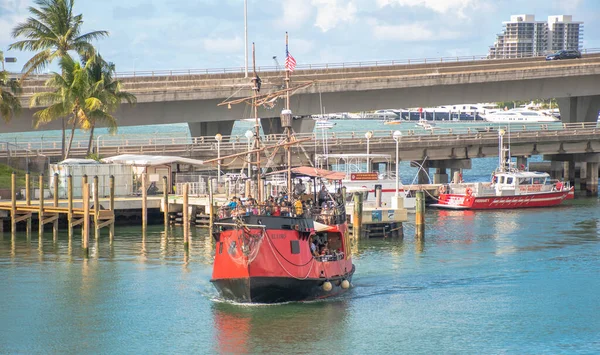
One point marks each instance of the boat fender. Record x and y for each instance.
(345, 284)
(442, 189)
(469, 191)
(327, 286)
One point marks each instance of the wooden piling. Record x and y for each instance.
(13, 200)
(111, 228)
(84, 182)
(165, 202)
(86, 219)
(420, 215)
(96, 209)
(41, 206)
(211, 211)
(144, 202)
(357, 217)
(70, 205)
(28, 200)
(55, 223)
(186, 218)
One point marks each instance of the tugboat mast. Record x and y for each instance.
(256, 89)
(288, 126)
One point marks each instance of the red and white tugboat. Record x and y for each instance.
(282, 249)
(510, 188)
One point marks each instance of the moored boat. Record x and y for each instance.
(510, 188)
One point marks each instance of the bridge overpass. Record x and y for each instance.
(442, 149)
(191, 97)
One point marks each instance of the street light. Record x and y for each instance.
(249, 134)
(397, 135)
(368, 136)
(218, 138)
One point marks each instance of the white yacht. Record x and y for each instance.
(519, 115)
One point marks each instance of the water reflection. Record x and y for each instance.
(277, 329)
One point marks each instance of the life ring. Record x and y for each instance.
(469, 191)
(494, 178)
(442, 189)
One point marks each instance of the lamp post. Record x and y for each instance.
(249, 134)
(397, 135)
(218, 138)
(368, 136)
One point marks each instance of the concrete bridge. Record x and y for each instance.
(449, 148)
(193, 98)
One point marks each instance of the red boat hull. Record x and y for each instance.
(543, 199)
(275, 264)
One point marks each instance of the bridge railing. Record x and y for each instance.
(356, 64)
(236, 143)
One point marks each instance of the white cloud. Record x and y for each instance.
(412, 32)
(224, 45)
(458, 7)
(330, 13)
(295, 14)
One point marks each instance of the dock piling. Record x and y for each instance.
(111, 228)
(13, 200)
(86, 219)
(70, 205)
(357, 218)
(55, 196)
(378, 195)
(211, 212)
(28, 200)
(41, 206)
(165, 202)
(84, 182)
(144, 202)
(186, 217)
(96, 208)
(420, 215)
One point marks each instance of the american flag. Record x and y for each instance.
(290, 62)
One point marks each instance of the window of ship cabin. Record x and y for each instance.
(524, 181)
(539, 180)
(501, 179)
(509, 181)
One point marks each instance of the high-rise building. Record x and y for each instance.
(523, 36)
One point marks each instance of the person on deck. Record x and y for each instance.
(313, 248)
(299, 188)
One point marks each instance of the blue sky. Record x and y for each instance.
(184, 34)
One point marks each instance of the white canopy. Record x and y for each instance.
(150, 160)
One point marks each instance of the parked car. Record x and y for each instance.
(564, 54)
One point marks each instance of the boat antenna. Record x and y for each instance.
(256, 88)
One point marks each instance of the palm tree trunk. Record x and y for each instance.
(91, 139)
(71, 138)
(64, 128)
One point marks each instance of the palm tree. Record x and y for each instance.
(71, 96)
(108, 91)
(9, 102)
(52, 31)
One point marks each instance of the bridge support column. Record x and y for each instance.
(569, 172)
(579, 108)
(209, 129)
(556, 170)
(592, 179)
(582, 176)
(423, 176)
(440, 176)
(300, 125)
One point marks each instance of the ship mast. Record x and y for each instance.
(256, 89)
(288, 126)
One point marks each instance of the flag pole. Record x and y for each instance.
(246, 36)
(288, 129)
(256, 123)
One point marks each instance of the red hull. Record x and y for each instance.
(543, 199)
(275, 264)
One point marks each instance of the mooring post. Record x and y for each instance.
(357, 218)
(86, 219)
(165, 202)
(41, 206)
(55, 223)
(13, 201)
(70, 205)
(420, 215)
(84, 182)
(96, 208)
(378, 196)
(211, 212)
(144, 202)
(111, 227)
(28, 200)
(186, 218)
